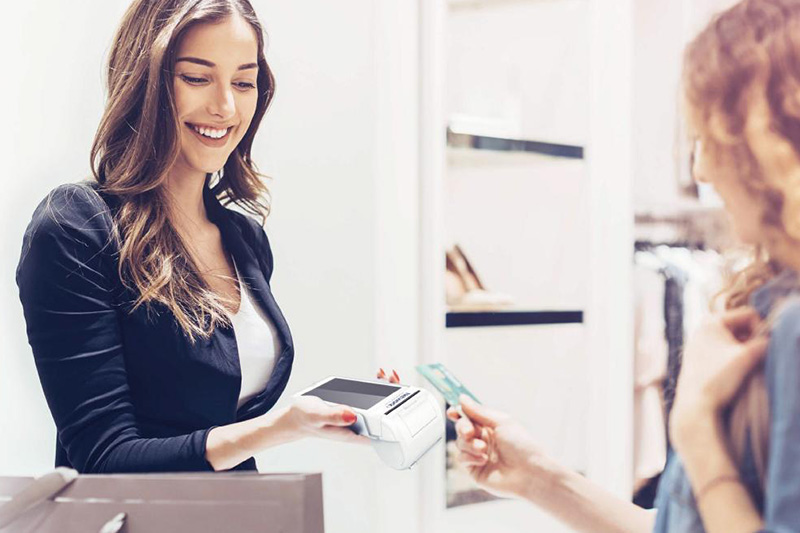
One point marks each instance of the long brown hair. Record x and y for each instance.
(741, 84)
(137, 143)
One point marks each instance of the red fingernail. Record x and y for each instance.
(350, 418)
(396, 375)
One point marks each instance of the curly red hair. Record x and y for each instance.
(741, 84)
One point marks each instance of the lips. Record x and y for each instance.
(205, 139)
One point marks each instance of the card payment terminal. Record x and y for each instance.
(402, 422)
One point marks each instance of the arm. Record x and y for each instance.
(503, 459)
(715, 365)
(581, 504)
(722, 500)
(65, 279)
(229, 445)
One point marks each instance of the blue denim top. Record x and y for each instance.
(779, 503)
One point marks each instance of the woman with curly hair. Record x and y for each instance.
(735, 423)
(148, 302)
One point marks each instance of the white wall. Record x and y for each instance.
(658, 34)
(522, 222)
(609, 331)
(340, 142)
(52, 98)
(317, 142)
(520, 68)
(661, 31)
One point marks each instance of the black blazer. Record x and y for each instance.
(128, 392)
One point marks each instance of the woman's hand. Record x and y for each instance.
(498, 452)
(309, 416)
(718, 358)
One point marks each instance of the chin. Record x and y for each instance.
(207, 167)
(747, 235)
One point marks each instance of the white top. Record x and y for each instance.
(258, 345)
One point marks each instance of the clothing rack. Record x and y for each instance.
(693, 228)
(645, 245)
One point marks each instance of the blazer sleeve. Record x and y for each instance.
(66, 284)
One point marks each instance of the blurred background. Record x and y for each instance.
(498, 185)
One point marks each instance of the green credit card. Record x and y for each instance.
(445, 382)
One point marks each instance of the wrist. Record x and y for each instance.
(227, 446)
(705, 453)
(538, 476)
(689, 428)
(278, 427)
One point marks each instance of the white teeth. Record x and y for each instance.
(209, 132)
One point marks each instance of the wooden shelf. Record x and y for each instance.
(480, 319)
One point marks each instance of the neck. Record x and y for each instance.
(184, 188)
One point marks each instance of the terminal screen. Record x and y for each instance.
(358, 394)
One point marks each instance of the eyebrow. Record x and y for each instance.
(208, 63)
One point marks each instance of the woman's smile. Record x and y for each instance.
(210, 136)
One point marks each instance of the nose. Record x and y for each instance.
(698, 175)
(697, 164)
(222, 104)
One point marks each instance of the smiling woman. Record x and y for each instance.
(215, 97)
(132, 283)
(157, 162)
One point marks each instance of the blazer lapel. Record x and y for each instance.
(256, 279)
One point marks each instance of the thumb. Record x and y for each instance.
(751, 354)
(480, 414)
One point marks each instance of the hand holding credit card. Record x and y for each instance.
(446, 383)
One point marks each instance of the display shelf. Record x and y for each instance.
(457, 139)
(479, 319)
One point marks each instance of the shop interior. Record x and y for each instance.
(500, 186)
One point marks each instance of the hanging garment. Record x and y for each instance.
(650, 370)
(673, 316)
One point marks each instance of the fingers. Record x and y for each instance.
(753, 352)
(720, 389)
(465, 428)
(480, 414)
(472, 460)
(453, 414)
(342, 435)
(742, 322)
(476, 447)
(394, 377)
(740, 316)
(337, 416)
